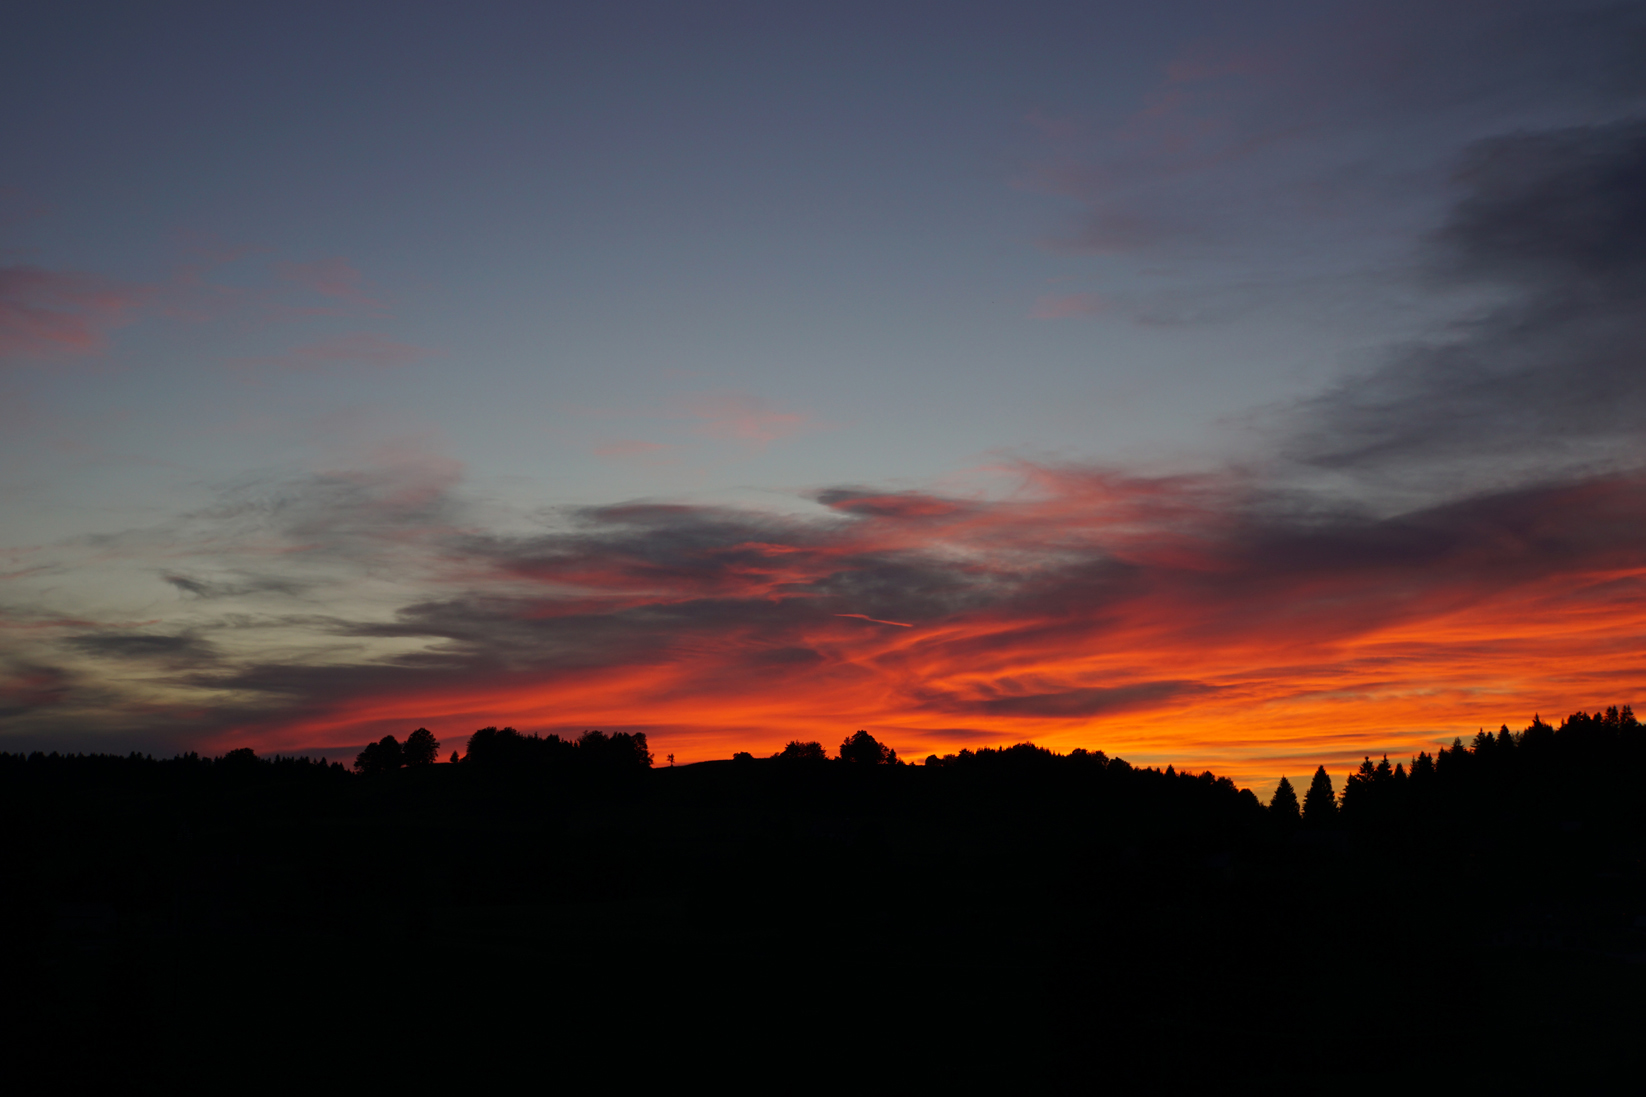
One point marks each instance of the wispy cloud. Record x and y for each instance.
(56, 314)
(1243, 138)
(48, 314)
(1554, 223)
(1067, 305)
(1197, 619)
(335, 278)
(627, 448)
(355, 348)
(741, 417)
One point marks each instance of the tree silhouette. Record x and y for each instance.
(619, 750)
(593, 750)
(420, 748)
(383, 756)
(863, 749)
(1283, 806)
(797, 751)
(1358, 791)
(1320, 803)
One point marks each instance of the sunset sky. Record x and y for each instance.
(1242, 386)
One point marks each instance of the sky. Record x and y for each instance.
(1246, 387)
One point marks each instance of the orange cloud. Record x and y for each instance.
(1185, 620)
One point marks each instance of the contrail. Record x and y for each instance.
(876, 620)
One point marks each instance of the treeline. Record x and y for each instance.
(1588, 769)
(506, 748)
(237, 765)
(490, 749)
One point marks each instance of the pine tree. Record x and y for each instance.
(1357, 791)
(1283, 807)
(1320, 802)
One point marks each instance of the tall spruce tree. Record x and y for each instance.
(1357, 790)
(1320, 802)
(1283, 807)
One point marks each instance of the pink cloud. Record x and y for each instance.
(1053, 129)
(45, 313)
(629, 447)
(1209, 61)
(1074, 304)
(355, 348)
(335, 278)
(16, 207)
(744, 418)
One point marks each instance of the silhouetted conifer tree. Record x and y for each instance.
(1320, 802)
(1283, 806)
(1357, 791)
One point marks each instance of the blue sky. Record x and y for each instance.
(524, 259)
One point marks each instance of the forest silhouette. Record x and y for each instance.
(1007, 912)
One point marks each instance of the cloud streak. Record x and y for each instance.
(50, 314)
(355, 348)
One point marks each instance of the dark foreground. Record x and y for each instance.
(1037, 922)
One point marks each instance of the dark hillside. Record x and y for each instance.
(1014, 911)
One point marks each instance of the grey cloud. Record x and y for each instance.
(27, 686)
(1244, 141)
(1552, 207)
(1547, 383)
(205, 588)
(137, 645)
(1093, 701)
